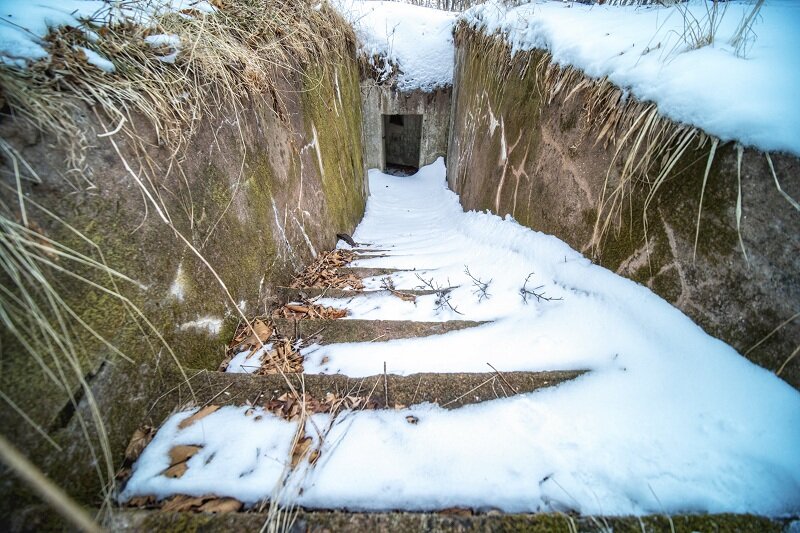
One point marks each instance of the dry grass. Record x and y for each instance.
(240, 53)
(648, 148)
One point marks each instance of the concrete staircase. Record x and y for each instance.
(449, 390)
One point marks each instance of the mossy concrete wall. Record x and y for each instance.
(513, 153)
(257, 192)
(383, 99)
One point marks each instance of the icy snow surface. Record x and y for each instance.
(667, 420)
(417, 39)
(752, 100)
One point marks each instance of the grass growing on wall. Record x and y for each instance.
(237, 54)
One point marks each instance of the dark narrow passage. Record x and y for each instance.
(401, 137)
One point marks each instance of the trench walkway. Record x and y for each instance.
(482, 367)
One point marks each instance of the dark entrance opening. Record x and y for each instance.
(401, 140)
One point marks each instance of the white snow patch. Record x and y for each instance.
(178, 287)
(247, 361)
(750, 100)
(99, 61)
(418, 40)
(209, 323)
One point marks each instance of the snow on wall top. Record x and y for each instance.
(418, 40)
(753, 100)
(24, 24)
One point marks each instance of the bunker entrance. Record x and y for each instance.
(401, 142)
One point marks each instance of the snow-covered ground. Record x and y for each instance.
(752, 100)
(418, 40)
(667, 420)
(25, 23)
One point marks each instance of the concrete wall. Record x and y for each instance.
(259, 192)
(378, 100)
(515, 151)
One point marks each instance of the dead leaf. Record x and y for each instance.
(221, 505)
(175, 471)
(181, 503)
(300, 450)
(202, 413)
(312, 459)
(182, 453)
(141, 438)
(141, 501)
(260, 333)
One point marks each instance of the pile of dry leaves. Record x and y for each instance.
(324, 273)
(308, 310)
(281, 357)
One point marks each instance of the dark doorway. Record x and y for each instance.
(401, 140)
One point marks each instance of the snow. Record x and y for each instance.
(247, 361)
(667, 420)
(751, 100)
(97, 60)
(211, 324)
(24, 24)
(418, 40)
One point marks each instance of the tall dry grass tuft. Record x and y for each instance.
(171, 71)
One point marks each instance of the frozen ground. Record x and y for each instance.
(749, 99)
(418, 40)
(667, 420)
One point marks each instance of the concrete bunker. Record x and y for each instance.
(403, 130)
(401, 143)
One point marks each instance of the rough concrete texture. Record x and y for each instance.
(289, 294)
(333, 331)
(514, 154)
(257, 192)
(448, 390)
(452, 520)
(378, 100)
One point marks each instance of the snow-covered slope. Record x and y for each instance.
(752, 100)
(418, 40)
(667, 420)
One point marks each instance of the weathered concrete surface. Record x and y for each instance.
(289, 294)
(339, 330)
(368, 272)
(255, 191)
(450, 521)
(378, 100)
(513, 153)
(448, 390)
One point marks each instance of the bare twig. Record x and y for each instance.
(525, 292)
(481, 287)
(442, 294)
(504, 379)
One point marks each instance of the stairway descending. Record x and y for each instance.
(450, 390)
(425, 408)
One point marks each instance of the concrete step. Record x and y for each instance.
(460, 520)
(336, 331)
(367, 272)
(448, 390)
(289, 294)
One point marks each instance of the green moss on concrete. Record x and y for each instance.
(337, 135)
